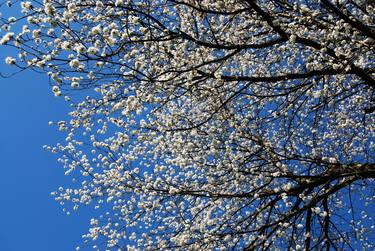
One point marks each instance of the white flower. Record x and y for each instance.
(96, 30)
(72, 7)
(332, 160)
(49, 9)
(36, 33)
(66, 45)
(26, 5)
(41, 63)
(109, 199)
(25, 29)
(323, 214)
(22, 55)
(79, 48)
(50, 31)
(99, 64)
(119, 2)
(56, 90)
(317, 210)
(67, 14)
(292, 38)
(31, 19)
(218, 74)
(74, 84)
(55, 77)
(74, 63)
(12, 19)
(10, 60)
(6, 38)
(92, 50)
(115, 33)
(317, 93)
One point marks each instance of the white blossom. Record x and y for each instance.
(74, 63)
(7, 37)
(10, 60)
(213, 124)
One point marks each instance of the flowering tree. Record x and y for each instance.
(212, 124)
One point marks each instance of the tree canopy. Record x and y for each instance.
(211, 124)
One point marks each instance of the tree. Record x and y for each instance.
(212, 124)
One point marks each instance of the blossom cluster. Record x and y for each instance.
(211, 124)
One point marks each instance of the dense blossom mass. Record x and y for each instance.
(211, 124)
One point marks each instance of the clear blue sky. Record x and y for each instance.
(30, 219)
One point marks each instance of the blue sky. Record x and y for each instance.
(30, 218)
